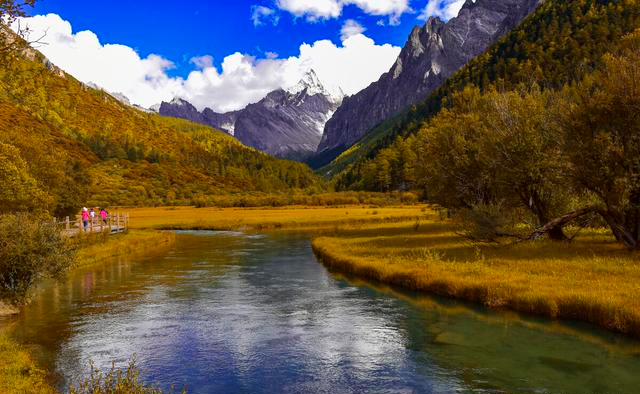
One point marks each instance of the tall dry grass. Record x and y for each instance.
(296, 217)
(18, 372)
(592, 279)
(133, 243)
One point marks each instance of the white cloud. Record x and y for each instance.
(352, 66)
(314, 10)
(443, 9)
(239, 81)
(351, 28)
(261, 15)
(202, 62)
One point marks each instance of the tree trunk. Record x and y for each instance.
(539, 208)
(620, 231)
(558, 223)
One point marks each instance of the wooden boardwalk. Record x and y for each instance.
(117, 223)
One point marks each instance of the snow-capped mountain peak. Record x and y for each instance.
(313, 86)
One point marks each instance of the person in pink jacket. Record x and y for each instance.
(85, 219)
(104, 215)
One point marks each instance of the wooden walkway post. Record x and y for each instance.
(67, 225)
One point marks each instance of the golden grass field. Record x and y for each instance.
(134, 242)
(591, 279)
(297, 217)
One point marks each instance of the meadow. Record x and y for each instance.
(591, 279)
(293, 217)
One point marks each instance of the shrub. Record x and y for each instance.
(116, 382)
(485, 222)
(31, 248)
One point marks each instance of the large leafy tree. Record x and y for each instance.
(496, 149)
(603, 140)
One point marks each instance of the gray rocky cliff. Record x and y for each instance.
(432, 54)
(286, 123)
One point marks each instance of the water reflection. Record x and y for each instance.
(234, 313)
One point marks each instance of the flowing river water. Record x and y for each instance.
(224, 312)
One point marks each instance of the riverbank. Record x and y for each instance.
(18, 372)
(134, 242)
(593, 279)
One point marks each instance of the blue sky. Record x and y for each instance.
(180, 30)
(159, 47)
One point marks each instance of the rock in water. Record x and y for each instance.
(432, 54)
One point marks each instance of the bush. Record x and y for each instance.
(31, 248)
(486, 222)
(316, 200)
(116, 382)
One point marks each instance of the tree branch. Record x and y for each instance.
(558, 222)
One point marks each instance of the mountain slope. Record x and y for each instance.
(182, 109)
(85, 147)
(555, 46)
(286, 123)
(432, 54)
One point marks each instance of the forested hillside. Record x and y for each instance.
(65, 145)
(531, 158)
(557, 45)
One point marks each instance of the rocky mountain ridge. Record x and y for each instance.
(432, 54)
(287, 123)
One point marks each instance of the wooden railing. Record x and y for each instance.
(115, 223)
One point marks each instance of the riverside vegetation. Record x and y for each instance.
(593, 278)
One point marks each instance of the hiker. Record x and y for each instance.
(104, 215)
(92, 213)
(85, 218)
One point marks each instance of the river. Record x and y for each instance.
(226, 312)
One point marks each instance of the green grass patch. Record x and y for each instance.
(18, 372)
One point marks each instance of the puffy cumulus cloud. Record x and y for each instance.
(314, 10)
(351, 28)
(443, 9)
(261, 15)
(116, 68)
(350, 67)
(239, 81)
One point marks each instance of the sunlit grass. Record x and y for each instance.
(591, 279)
(267, 218)
(18, 372)
(134, 242)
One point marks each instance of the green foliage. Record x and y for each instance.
(486, 222)
(558, 44)
(115, 382)
(19, 191)
(491, 149)
(31, 248)
(83, 147)
(309, 199)
(603, 139)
